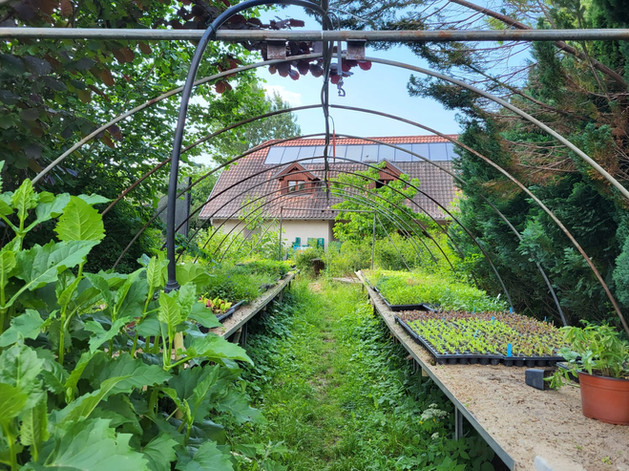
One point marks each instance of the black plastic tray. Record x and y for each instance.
(409, 307)
(473, 359)
(230, 311)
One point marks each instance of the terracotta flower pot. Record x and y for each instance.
(605, 399)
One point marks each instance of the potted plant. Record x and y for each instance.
(600, 358)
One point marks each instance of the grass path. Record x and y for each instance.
(337, 394)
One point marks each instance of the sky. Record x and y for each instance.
(382, 88)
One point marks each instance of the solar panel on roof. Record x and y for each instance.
(290, 154)
(371, 152)
(275, 155)
(384, 152)
(401, 155)
(422, 149)
(438, 151)
(354, 152)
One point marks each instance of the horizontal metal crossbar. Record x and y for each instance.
(317, 35)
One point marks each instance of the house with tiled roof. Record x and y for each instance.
(288, 181)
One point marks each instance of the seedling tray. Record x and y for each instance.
(476, 358)
(230, 311)
(409, 307)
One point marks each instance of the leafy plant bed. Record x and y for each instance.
(454, 337)
(399, 288)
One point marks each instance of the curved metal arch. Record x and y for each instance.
(392, 63)
(544, 276)
(273, 203)
(486, 255)
(307, 56)
(401, 224)
(262, 197)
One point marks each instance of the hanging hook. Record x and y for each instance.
(340, 87)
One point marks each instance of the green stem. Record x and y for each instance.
(62, 332)
(11, 439)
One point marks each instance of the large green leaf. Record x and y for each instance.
(50, 206)
(26, 326)
(100, 334)
(207, 458)
(34, 428)
(94, 199)
(160, 452)
(169, 311)
(216, 348)
(192, 273)
(203, 316)
(80, 221)
(12, 402)
(92, 445)
(138, 373)
(77, 372)
(7, 264)
(53, 374)
(42, 265)
(83, 406)
(101, 284)
(19, 367)
(24, 199)
(155, 273)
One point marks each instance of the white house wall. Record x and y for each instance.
(291, 229)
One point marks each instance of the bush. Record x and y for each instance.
(303, 259)
(351, 256)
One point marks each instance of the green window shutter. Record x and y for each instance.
(320, 243)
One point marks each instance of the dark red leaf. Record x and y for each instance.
(220, 87)
(145, 48)
(293, 74)
(364, 65)
(316, 70)
(296, 23)
(108, 142)
(107, 78)
(335, 79)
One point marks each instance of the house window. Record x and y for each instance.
(294, 186)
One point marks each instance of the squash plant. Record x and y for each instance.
(98, 370)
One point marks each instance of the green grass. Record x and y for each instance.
(337, 394)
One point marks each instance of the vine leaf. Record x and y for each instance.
(80, 221)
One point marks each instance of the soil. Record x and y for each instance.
(540, 430)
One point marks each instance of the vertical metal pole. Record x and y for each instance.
(458, 423)
(373, 240)
(186, 227)
(279, 243)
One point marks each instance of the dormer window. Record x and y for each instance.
(294, 178)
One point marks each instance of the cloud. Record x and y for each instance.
(292, 98)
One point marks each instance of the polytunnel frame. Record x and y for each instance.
(392, 36)
(279, 197)
(549, 285)
(211, 31)
(441, 206)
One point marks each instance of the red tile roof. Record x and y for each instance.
(251, 178)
